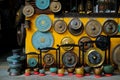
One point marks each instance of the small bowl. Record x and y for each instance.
(61, 71)
(79, 71)
(53, 69)
(42, 71)
(70, 70)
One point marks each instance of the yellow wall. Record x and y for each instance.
(59, 37)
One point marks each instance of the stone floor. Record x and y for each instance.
(4, 75)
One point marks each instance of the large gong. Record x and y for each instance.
(48, 59)
(116, 54)
(42, 40)
(43, 23)
(75, 27)
(94, 57)
(93, 28)
(110, 27)
(60, 26)
(42, 4)
(67, 40)
(86, 41)
(69, 59)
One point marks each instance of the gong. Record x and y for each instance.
(102, 42)
(69, 59)
(93, 28)
(110, 27)
(94, 57)
(55, 6)
(116, 54)
(75, 27)
(42, 4)
(42, 40)
(67, 40)
(60, 26)
(43, 23)
(87, 42)
(28, 10)
(32, 62)
(48, 59)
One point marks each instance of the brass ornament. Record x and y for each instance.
(94, 57)
(93, 28)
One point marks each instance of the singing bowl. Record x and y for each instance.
(36, 69)
(108, 69)
(97, 71)
(53, 69)
(70, 70)
(79, 71)
(61, 71)
(87, 69)
(42, 71)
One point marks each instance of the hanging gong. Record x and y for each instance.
(67, 40)
(84, 40)
(28, 10)
(48, 59)
(75, 27)
(55, 6)
(94, 57)
(102, 42)
(21, 34)
(93, 28)
(42, 4)
(60, 26)
(110, 27)
(32, 62)
(116, 54)
(43, 23)
(69, 59)
(42, 40)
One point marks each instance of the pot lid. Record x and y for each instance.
(28, 10)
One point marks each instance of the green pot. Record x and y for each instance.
(42, 71)
(53, 69)
(87, 69)
(108, 69)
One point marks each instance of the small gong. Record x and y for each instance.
(93, 28)
(86, 40)
(48, 59)
(69, 59)
(110, 27)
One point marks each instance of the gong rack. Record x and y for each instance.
(66, 45)
(41, 52)
(32, 53)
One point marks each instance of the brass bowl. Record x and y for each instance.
(79, 71)
(70, 70)
(61, 71)
(97, 71)
(36, 69)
